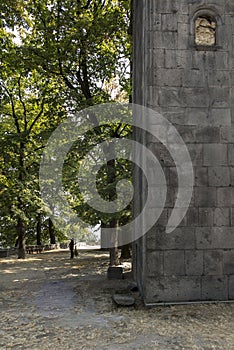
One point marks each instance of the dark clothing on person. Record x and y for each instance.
(71, 247)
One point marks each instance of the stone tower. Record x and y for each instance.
(183, 68)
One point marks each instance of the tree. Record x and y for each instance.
(86, 43)
(26, 105)
(78, 47)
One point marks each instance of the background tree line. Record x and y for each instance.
(56, 58)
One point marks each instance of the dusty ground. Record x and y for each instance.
(50, 302)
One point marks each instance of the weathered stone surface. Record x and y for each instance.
(180, 238)
(227, 135)
(187, 132)
(169, 22)
(192, 217)
(193, 87)
(196, 153)
(198, 116)
(201, 176)
(221, 77)
(123, 299)
(219, 176)
(154, 263)
(214, 238)
(194, 262)
(208, 134)
(174, 263)
(225, 196)
(220, 97)
(213, 262)
(183, 58)
(183, 29)
(169, 77)
(194, 97)
(193, 78)
(133, 287)
(214, 288)
(228, 262)
(221, 117)
(215, 154)
(232, 216)
(206, 217)
(205, 197)
(222, 217)
(115, 272)
(231, 288)
(169, 97)
(173, 289)
(231, 154)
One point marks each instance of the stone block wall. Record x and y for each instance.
(193, 88)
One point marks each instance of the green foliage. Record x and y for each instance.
(56, 58)
(84, 42)
(122, 170)
(28, 116)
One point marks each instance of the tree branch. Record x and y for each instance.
(12, 108)
(23, 104)
(38, 116)
(87, 5)
(83, 79)
(60, 65)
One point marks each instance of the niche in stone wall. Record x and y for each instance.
(205, 30)
(206, 25)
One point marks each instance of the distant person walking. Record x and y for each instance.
(71, 247)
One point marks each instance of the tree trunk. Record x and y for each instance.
(126, 252)
(114, 257)
(39, 229)
(21, 239)
(111, 177)
(51, 232)
(126, 249)
(114, 252)
(108, 149)
(20, 224)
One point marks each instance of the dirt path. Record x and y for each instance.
(51, 302)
